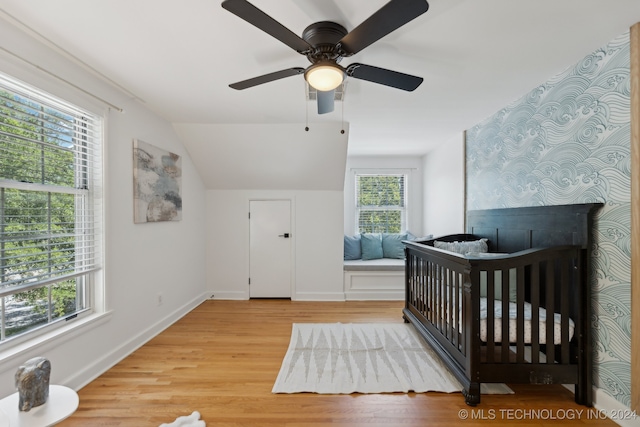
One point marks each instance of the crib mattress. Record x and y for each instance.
(513, 332)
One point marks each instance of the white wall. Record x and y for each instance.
(317, 218)
(444, 184)
(391, 164)
(140, 260)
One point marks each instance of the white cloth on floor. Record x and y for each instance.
(192, 420)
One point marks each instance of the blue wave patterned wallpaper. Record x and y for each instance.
(568, 141)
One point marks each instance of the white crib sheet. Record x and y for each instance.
(557, 333)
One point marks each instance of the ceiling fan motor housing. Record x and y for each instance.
(324, 37)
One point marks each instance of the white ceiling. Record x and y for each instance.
(178, 58)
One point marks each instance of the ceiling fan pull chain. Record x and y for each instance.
(344, 97)
(342, 130)
(306, 105)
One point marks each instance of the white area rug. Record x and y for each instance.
(337, 358)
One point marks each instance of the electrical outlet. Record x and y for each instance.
(160, 299)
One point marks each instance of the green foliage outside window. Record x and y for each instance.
(37, 227)
(380, 203)
(380, 221)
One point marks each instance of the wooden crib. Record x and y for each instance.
(536, 270)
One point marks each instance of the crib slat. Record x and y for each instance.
(564, 309)
(421, 287)
(432, 291)
(520, 314)
(490, 318)
(446, 300)
(535, 313)
(455, 311)
(417, 283)
(436, 298)
(449, 320)
(411, 279)
(442, 300)
(446, 283)
(506, 332)
(414, 281)
(424, 288)
(422, 303)
(430, 286)
(550, 286)
(422, 277)
(464, 331)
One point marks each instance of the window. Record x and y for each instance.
(49, 176)
(381, 203)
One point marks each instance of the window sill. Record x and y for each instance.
(53, 338)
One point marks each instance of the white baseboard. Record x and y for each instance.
(299, 296)
(375, 296)
(319, 296)
(100, 366)
(228, 295)
(614, 410)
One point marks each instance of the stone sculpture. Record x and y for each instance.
(32, 381)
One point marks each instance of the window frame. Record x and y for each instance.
(403, 209)
(88, 140)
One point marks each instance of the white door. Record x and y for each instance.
(270, 249)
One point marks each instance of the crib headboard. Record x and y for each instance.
(515, 229)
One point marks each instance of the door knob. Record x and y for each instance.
(285, 235)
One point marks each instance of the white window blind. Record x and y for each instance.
(381, 203)
(50, 157)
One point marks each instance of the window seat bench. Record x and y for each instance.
(377, 279)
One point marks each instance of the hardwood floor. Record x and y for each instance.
(223, 357)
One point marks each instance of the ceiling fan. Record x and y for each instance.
(326, 43)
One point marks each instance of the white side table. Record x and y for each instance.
(62, 402)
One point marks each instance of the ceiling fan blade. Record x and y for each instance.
(266, 78)
(384, 77)
(325, 101)
(390, 17)
(258, 18)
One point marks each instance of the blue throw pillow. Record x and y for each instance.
(392, 246)
(371, 244)
(352, 247)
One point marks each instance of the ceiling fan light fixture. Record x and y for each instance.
(324, 76)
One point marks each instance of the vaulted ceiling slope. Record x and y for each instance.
(267, 156)
(178, 57)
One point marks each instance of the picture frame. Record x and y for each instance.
(157, 184)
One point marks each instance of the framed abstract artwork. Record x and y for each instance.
(157, 184)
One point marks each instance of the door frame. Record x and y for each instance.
(293, 236)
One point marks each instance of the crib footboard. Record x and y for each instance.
(515, 318)
(433, 298)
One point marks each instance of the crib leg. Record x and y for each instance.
(472, 394)
(583, 393)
